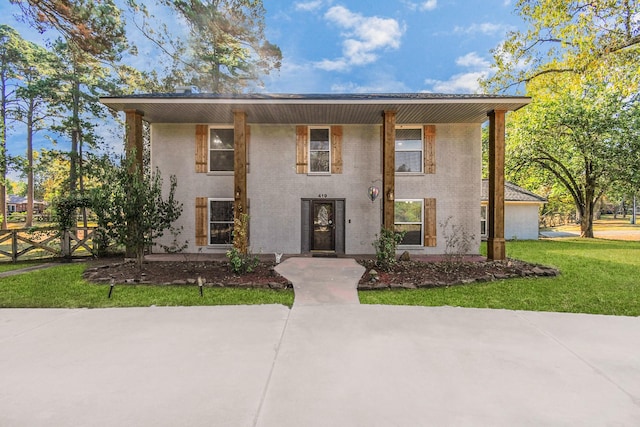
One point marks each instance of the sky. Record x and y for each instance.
(386, 46)
(356, 46)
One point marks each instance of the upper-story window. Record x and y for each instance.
(221, 149)
(409, 150)
(319, 150)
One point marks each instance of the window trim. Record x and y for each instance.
(209, 222)
(484, 210)
(209, 150)
(329, 149)
(421, 151)
(421, 201)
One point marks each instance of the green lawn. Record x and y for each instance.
(62, 286)
(597, 276)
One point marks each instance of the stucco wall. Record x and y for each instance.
(275, 189)
(521, 221)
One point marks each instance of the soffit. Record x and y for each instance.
(325, 110)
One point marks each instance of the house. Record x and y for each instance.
(306, 167)
(521, 212)
(19, 204)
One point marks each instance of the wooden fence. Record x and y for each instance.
(46, 242)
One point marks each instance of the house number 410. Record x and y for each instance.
(322, 196)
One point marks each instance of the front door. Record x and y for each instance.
(323, 230)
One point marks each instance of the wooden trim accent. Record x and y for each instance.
(202, 142)
(388, 169)
(247, 141)
(202, 218)
(495, 213)
(430, 223)
(429, 149)
(336, 149)
(240, 162)
(133, 141)
(302, 140)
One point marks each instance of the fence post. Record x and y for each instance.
(65, 244)
(14, 245)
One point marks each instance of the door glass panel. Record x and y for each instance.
(323, 227)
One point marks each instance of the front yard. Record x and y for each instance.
(596, 276)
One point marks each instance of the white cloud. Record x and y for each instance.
(486, 28)
(363, 38)
(429, 5)
(423, 6)
(458, 83)
(308, 6)
(465, 82)
(472, 60)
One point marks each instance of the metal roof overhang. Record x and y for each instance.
(318, 109)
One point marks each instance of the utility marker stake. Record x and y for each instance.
(111, 285)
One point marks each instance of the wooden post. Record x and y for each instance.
(388, 168)
(133, 150)
(133, 142)
(240, 167)
(495, 239)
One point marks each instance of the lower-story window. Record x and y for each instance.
(409, 218)
(220, 221)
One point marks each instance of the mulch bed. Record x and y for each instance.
(404, 275)
(420, 274)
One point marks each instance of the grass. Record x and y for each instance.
(63, 287)
(597, 277)
(8, 266)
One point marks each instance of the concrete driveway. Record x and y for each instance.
(314, 365)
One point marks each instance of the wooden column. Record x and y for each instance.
(240, 164)
(133, 148)
(495, 240)
(133, 141)
(388, 168)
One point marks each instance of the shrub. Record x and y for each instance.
(241, 260)
(385, 245)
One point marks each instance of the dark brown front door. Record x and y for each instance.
(323, 230)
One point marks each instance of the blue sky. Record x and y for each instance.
(385, 46)
(332, 46)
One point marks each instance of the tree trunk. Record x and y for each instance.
(586, 214)
(29, 222)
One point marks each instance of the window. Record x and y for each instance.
(221, 149)
(319, 151)
(409, 150)
(220, 221)
(408, 218)
(483, 221)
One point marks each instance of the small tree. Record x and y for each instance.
(386, 245)
(131, 208)
(241, 260)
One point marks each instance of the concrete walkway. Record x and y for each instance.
(323, 280)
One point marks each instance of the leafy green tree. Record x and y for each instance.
(599, 38)
(227, 50)
(10, 56)
(34, 97)
(578, 136)
(93, 27)
(131, 208)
